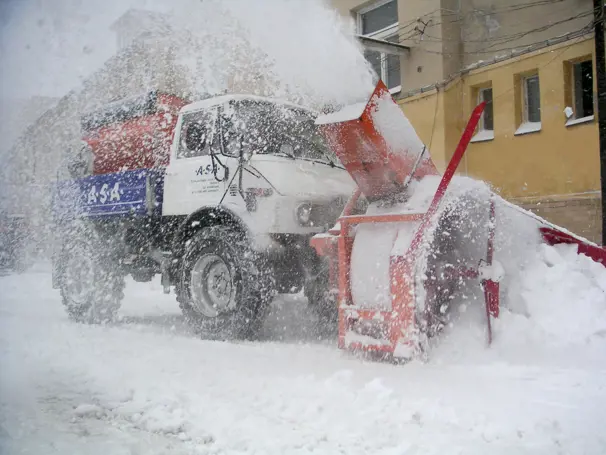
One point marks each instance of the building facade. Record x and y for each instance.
(532, 62)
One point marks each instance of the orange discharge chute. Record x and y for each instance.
(377, 145)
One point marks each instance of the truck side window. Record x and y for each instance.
(233, 127)
(198, 136)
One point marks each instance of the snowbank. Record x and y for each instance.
(553, 311)
(553, 300)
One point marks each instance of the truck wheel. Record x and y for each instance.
(91, 285)
(225, 288)
(323, 303)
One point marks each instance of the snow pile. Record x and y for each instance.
(565, 294)
(553, 300)
(553, 310)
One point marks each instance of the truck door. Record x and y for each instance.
(194, 178)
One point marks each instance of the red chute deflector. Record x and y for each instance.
(377, 145)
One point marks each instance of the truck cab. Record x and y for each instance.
(226, 217)
(263, 161)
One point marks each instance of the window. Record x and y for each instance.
(582, 89)
(487, 120)
(379, 17)
(380, 21)
(532, 99)
(198, 136)
(268, 128)
(486, 125)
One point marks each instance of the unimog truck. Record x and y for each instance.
(219, 196)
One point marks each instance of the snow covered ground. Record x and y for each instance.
(147, 386)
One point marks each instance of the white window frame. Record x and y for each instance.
(381, 34)
(527, 126)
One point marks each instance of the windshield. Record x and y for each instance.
(268, 128)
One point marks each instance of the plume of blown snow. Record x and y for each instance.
(299, 50)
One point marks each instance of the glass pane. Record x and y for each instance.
(533, 99)
(393, 71)
(267, 128)
(583, 89)
(380, 18)
(197, 134)
(487, 116)
(374, 58)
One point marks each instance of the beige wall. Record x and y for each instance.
(582, 215)
(555, 171)
(493, 27)
(557, 160)
(426, 113)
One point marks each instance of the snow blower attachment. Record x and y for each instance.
(399, 266)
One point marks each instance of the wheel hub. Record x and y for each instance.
(212, 286)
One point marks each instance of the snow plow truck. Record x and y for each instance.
(220, 196)
(252, 197)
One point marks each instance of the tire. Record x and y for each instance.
(323, 303)
(91, 284)
(224, 287)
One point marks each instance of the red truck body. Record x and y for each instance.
(132, 134)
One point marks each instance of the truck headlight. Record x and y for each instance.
(303, 214)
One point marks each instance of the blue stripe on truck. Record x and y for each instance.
(118, 194)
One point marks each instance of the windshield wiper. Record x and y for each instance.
(287, 155)
(329, 162)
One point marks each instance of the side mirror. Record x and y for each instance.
(195, 137)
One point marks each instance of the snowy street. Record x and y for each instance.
(146, 385)
(431, 172)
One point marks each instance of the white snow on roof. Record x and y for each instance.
(217, 100)
(350, 112)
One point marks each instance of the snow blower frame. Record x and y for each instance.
(382, 174)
